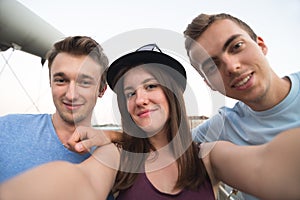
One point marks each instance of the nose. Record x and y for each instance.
(141, 97)
(232, 65)
(71, 92)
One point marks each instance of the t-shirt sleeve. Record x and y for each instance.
(210, 130)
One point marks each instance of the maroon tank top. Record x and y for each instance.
(143, 189)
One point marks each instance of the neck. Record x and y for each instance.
(160, 159)
(278, 90)
(63, 129)
(159, 140)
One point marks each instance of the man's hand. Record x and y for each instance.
(84, 138)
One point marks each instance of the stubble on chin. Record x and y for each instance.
(72, 118)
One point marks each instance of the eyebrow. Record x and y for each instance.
(59, 74)
(84, 76)
(145, 81)
(81, 76)
(229, 40)
(226, 44)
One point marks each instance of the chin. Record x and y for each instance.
(151, 131)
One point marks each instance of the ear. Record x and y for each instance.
(208, 84)
(262, 45)
(101, 93)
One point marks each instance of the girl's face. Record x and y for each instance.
(146, 102)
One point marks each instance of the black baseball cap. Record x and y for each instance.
(148, 54)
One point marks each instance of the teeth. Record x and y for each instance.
(242, 82)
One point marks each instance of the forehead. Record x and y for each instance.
(136, 76)
(212, 40)
(217, 34)
(72, 65)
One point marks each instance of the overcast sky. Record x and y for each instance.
(24, 81)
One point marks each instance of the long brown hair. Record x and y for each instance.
(191, 170)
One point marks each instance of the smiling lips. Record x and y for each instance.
(145, 113)
(242, 82)
(72, 106)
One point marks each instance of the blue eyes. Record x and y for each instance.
(85, 83)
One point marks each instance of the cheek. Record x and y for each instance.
(130, 107)
(165, 106)
(57, 91)
(89, 93)
(167, 110)
(216, 82)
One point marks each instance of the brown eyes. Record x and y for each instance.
(147, 87)
(237, 46)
